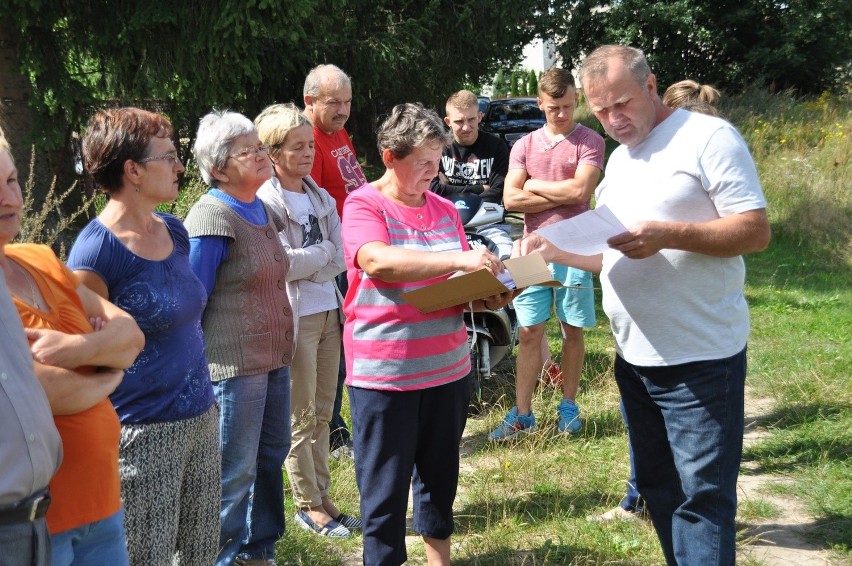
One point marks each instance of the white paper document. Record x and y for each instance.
(585, 234)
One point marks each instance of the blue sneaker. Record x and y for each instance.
(512, 425)
(569, 417)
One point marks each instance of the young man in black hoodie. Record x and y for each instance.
(476, 162)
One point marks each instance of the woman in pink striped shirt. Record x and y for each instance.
(406, 371)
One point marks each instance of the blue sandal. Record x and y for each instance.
(333, 529)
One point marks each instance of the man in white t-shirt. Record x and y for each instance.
(687, 188)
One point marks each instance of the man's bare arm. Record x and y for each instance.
(730, 236)
(515, 198)
(569, 191)
(535, 243)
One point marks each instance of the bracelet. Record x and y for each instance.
(485, 304)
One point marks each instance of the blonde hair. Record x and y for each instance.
(462, 100)
(276, 121)
(690, 95)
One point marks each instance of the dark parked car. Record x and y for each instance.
(512, 118)
(483, 103)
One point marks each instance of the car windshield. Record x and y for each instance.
(514, 110)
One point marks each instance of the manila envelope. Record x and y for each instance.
(467, 287)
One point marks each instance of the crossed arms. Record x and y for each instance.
(112, 347)
(524, 194)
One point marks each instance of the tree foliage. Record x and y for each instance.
(500, 85)
(185, 58)
(514, 87)
(733, 44)
(532, 83)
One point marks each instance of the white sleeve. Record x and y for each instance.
(728, 173)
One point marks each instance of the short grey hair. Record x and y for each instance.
(410, 126)
(214, 141)
(596, 64)
(329, 75)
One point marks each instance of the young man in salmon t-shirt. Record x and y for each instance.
(328, 100)
(552, 173)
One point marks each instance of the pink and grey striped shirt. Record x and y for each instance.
(389, 344)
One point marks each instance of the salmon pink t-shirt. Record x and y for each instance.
(556, 159)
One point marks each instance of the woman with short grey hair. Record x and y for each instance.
(407, 371)
(248, 332)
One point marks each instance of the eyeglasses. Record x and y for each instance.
(171, 157)
(250, 151)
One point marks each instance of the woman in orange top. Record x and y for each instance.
(80, 345)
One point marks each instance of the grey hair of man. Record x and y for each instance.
(329, 76)
(214, 141)
(410, 126)
(596, 63)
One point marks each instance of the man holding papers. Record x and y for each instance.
(686, 187)
(552, 173)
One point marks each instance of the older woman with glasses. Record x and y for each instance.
(248, 332)
(138, 258)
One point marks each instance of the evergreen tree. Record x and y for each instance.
(532, 84)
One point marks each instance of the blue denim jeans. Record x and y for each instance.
(99, 542)
(339, 434)
(254, 426)
(633, 500)
(686, 424)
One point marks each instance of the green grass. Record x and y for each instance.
(757, 509)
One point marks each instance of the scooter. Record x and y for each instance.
(491, 334)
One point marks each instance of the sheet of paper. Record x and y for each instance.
(585, 234)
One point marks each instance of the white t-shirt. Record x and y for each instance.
(675, 306)
(313, 297)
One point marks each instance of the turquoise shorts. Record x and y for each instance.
(574, 303)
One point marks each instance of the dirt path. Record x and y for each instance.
(781, 540)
